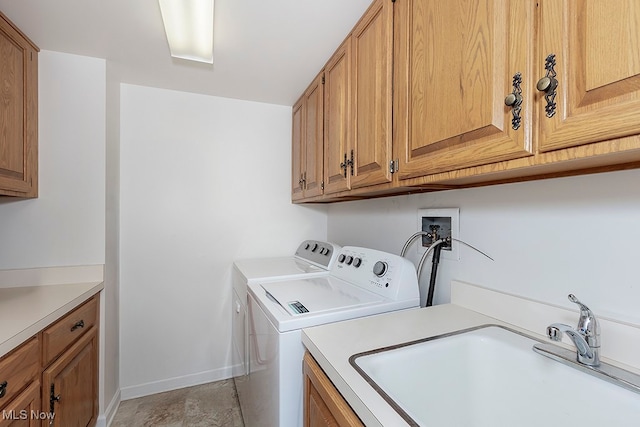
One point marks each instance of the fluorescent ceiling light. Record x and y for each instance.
(189, 28)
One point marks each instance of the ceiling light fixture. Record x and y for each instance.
(189, 28)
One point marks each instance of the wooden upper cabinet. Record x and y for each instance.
(314, 138)
(455, 63)
(372, 71)
(297, 148)
(308, 142)
(597, 53)
(337, 123)
(18, 112)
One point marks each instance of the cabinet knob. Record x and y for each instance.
(3, 388)
(547, 84)
(512, 99)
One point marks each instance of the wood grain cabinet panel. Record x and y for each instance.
(57, 337)
(297, 147)
(372, 78)
(18, 112)
(337, 120)
(597, 55)
(70, 384)
(308, 142)
(19, 368)
(323, 404)
(455, 63)
(25, 410)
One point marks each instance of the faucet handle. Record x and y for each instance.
(587, 325)
(583, 308)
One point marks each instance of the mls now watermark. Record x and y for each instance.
(27, 415)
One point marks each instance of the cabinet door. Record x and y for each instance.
(72, 381)
(455, 63)
(297, 150)
(314, 138)
(24, 410)
(18, 113)
(597, 52)
(323, 405)
(372, 43)
(337, 124)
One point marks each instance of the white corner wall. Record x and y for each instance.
(204, 180)
(65, 225)
(548, 238)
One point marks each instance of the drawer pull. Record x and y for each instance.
(3, 389)
(78, 325)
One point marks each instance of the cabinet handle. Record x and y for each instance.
(548, 84)
(53, 399)
(3, 389)
(78, 325)
(344, 165)
(514, 100)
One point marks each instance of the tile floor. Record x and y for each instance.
(211, 405)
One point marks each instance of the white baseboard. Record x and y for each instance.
(105, 419)
(132, 392)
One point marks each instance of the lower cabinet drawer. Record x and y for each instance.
(57, 337)
(17, 369)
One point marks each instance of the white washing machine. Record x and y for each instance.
(311, 259)
(362, 282)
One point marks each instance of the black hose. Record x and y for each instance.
(434, 272)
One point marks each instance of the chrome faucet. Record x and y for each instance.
(586, 336)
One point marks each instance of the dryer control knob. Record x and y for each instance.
(349, 260)
(357, 262)
(314, 247)
(341, 258)
(379, 268)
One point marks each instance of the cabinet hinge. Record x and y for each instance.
(322, 185)
(323, 79)
(394, 166)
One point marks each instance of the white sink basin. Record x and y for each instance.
(491, 377)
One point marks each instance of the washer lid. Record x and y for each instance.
(325, 299)
(272, 269)
(315, 296)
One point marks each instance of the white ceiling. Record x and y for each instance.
(264, 50)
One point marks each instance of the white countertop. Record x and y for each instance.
(332, 345)
(26, 310)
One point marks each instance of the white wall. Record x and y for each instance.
(110, 362)
(65, 225)
(548, 238)
(204, 181)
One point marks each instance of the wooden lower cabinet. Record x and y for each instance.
(52, 379)
(24, 410)
(70, 384)
(323, 404)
